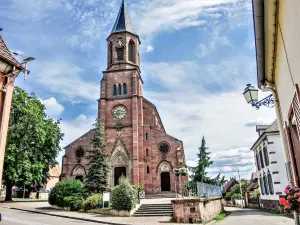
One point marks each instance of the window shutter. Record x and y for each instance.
(296, 109)
(288, 145)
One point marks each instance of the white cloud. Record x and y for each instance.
(162, 15)
(64, 78)
(53, 108)
(149, 48)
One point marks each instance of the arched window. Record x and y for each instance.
(261, 159)
(124, 89)
(271, 187)
(147, 136)
(119, 89)
(262, 186)
(120, 53)
(131, 52)
(147, 151)
(257, 161)
(266, 184)
(115, 90)
(110, 53)
(148, 170)
(266, 155)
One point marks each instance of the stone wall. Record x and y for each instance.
(271, 205)
(196, 210)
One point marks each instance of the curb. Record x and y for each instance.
(64, 216)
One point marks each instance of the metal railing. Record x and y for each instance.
(197, 189)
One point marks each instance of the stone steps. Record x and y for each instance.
(161, 195)
(154, 210)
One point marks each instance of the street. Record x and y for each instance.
(13, 217)
(250, 216)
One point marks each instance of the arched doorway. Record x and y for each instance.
(119, 172)
(165, 181)
(164, 170)
(78, 173)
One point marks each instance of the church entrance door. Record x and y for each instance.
(119, 171)
(165, 181)
(80, 178)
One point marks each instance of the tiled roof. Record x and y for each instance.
(123, 21)
(252, 186)
(6, 55)
(273, 127)
(229, 184)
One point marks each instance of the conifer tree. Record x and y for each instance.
(200, 175)
(96, 178)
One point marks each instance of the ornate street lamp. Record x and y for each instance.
(251, 96)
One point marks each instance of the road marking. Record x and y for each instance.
(25, 222)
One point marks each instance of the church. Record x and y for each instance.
(138, 145)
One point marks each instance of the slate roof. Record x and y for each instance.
(6, 55)
(229, 184)
(123, 21)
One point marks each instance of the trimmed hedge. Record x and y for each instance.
(93, 202)
(73, 202)
(123, 196)
(65, 188)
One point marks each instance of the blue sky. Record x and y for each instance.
(196, 58)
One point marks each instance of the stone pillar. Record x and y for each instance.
(135, 130)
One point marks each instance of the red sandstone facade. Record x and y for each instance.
(138, 144)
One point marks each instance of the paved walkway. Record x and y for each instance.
(44, 207)
(240, 216)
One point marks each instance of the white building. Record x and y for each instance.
(270, 165)
(277, 38)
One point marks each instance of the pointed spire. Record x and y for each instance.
(123, 22)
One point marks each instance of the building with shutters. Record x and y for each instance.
(277, 38)
(138, 144)
(9, 70)
(270, 165)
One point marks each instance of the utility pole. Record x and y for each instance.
(240, 184)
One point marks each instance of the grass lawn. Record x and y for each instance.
(221, 216)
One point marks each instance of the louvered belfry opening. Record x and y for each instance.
(110, 53)
(131, 52)
(120, 53)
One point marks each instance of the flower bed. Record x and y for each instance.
(291, 200)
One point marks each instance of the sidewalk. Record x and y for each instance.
(45, 208)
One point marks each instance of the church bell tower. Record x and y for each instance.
(123, 43)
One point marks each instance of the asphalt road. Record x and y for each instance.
(14, 217)
(254, 217)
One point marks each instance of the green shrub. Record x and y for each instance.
(93, 202)
(64, 189)
(123, 196)
(73, 202)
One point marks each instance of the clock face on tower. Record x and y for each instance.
(119, 112)
(120, 43)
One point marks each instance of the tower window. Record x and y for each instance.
(147, 151)
(147, 136)
(110, 53)
(124, 89)
(120, 89)
(115, 90)
(148, 170)
(120, 53)
(261, 159)
(131, 52)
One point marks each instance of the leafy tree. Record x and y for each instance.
(96, 178)
(235, 190)
(204, 162)
(32, 142)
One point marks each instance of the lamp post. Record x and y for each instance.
(251, 96)
(240, 184)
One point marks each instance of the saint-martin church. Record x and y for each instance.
(138, 144)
